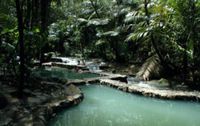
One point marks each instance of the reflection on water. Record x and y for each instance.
(104, 106)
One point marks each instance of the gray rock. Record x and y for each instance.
(4, 119)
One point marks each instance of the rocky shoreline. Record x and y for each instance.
(153, 92)
(42, 103)
(148, 92)
(110, 79)
(37, 111)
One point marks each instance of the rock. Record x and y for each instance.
(114, 71)
(72, 90)
(26, 121)
(4, 120)
(34, 101)
(39, 124)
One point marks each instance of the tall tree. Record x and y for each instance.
(44, 14)
(195, 39)
(19, 11)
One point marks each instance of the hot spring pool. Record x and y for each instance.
(104, 106)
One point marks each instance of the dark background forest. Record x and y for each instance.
(163, 35)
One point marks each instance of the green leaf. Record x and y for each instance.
(111, 33)
(100, 42)
(37, 30)
(98, 22)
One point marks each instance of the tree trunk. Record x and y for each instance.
(35, 13)
(196, 45)
(185, 62)
(21, 44)
(1, 28)
(28, 14)
(0, 40)
(151, 36)
(44, 9)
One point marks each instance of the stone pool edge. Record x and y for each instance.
(107, 80)
(135, 89)
(155, 93)
(49, 110)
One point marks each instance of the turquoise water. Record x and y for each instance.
(62, 73)
(104, 106)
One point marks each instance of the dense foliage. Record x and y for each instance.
(123, 31)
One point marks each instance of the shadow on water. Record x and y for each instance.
(104, 106)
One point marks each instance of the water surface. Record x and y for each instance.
(62, 73)
(104, 106)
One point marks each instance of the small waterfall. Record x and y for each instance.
(94, 68)
(135, 80)
(132, 80)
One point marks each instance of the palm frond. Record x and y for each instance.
(133, 16)
(151, 68)
(100, 42)
(135, 36)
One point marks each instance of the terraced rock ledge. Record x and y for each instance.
(141, 90)
(107, 79)
(42, 106)
(153, 92)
